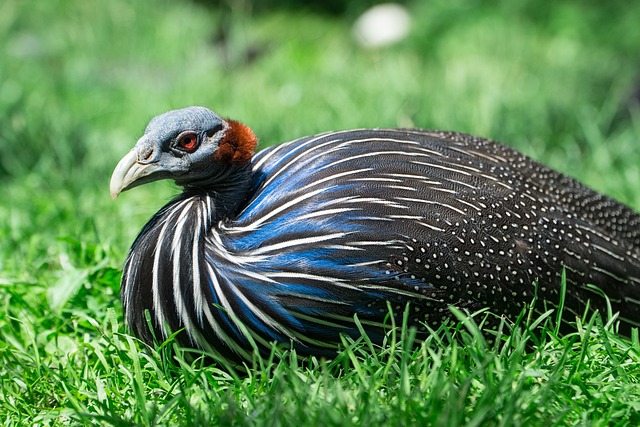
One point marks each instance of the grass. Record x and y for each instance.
(79, 80)
(531, 377)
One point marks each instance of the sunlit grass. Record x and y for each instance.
(78, 82)
(530, 375)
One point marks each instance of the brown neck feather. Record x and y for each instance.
(237, 145)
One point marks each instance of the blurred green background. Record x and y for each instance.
(80, 79)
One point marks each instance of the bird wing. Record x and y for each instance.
(345, 223)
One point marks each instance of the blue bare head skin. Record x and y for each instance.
(167, 126)
(179, 144)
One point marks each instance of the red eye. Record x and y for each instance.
(188, 142)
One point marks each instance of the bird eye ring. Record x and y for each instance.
(188, 142)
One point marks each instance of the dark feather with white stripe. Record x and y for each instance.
(317, 230)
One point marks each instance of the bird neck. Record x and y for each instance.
(228, 188)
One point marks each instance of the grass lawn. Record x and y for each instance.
(78, 82)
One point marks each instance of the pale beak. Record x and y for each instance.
(130, 173)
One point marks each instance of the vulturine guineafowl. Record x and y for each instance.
(291, 243)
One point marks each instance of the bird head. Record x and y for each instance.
(190, 146)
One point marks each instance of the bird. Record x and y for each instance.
(327, 236)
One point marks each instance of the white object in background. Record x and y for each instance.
(382, 25)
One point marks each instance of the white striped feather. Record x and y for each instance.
(332, 177)
(448, 194)
(158, 308)
(297, 243)
(176, 248)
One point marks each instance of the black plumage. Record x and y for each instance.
(290, 244)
